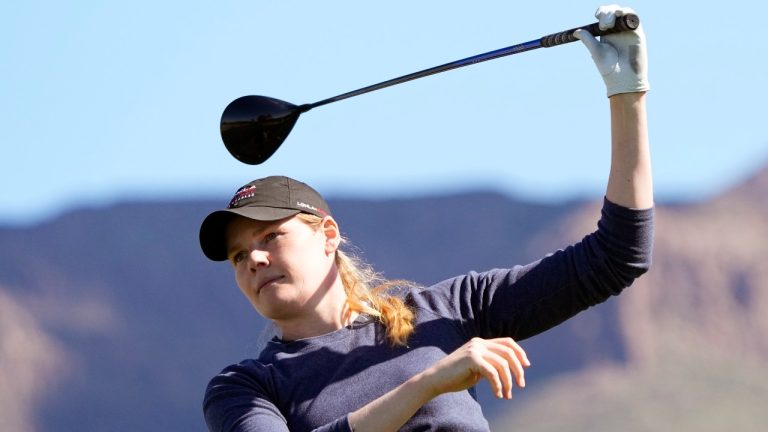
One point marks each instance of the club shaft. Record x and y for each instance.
(624, 23)
(514, 49)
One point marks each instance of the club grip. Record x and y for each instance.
(623, 23)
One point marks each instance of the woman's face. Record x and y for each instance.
(283, 267)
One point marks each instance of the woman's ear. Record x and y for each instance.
(332, 235)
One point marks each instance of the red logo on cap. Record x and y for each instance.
(243, 193)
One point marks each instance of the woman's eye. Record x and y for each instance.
(269, 237)
(239, 257)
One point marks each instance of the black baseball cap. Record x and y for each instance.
(267, 199)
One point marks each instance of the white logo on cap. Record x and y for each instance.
(305, 205)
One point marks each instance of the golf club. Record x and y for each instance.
(254, 127)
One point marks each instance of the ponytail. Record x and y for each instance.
(369, 293)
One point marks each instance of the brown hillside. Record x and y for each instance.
(29, 363)
(695, 328)
(709, 282)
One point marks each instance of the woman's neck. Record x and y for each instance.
(331, 314)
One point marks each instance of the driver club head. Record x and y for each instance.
(253, 127)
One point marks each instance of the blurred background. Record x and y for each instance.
(111, 319)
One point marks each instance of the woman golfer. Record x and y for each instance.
(355, 354)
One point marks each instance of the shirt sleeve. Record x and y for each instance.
(237, 400)
(526, 300)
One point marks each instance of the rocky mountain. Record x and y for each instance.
(111, 318)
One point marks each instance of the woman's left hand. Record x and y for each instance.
(497, 360)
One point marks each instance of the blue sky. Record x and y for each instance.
(108, 101)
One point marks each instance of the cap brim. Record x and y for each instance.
(213, 231)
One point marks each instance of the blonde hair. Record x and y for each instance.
(369, 292)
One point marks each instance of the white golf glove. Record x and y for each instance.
(621, 57)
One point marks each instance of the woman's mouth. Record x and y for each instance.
(268, 281)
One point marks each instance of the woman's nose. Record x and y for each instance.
(258, 258)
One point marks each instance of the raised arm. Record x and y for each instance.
(621, 59)
(630, 181)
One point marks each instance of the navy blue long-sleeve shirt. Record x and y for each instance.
(313, 384)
